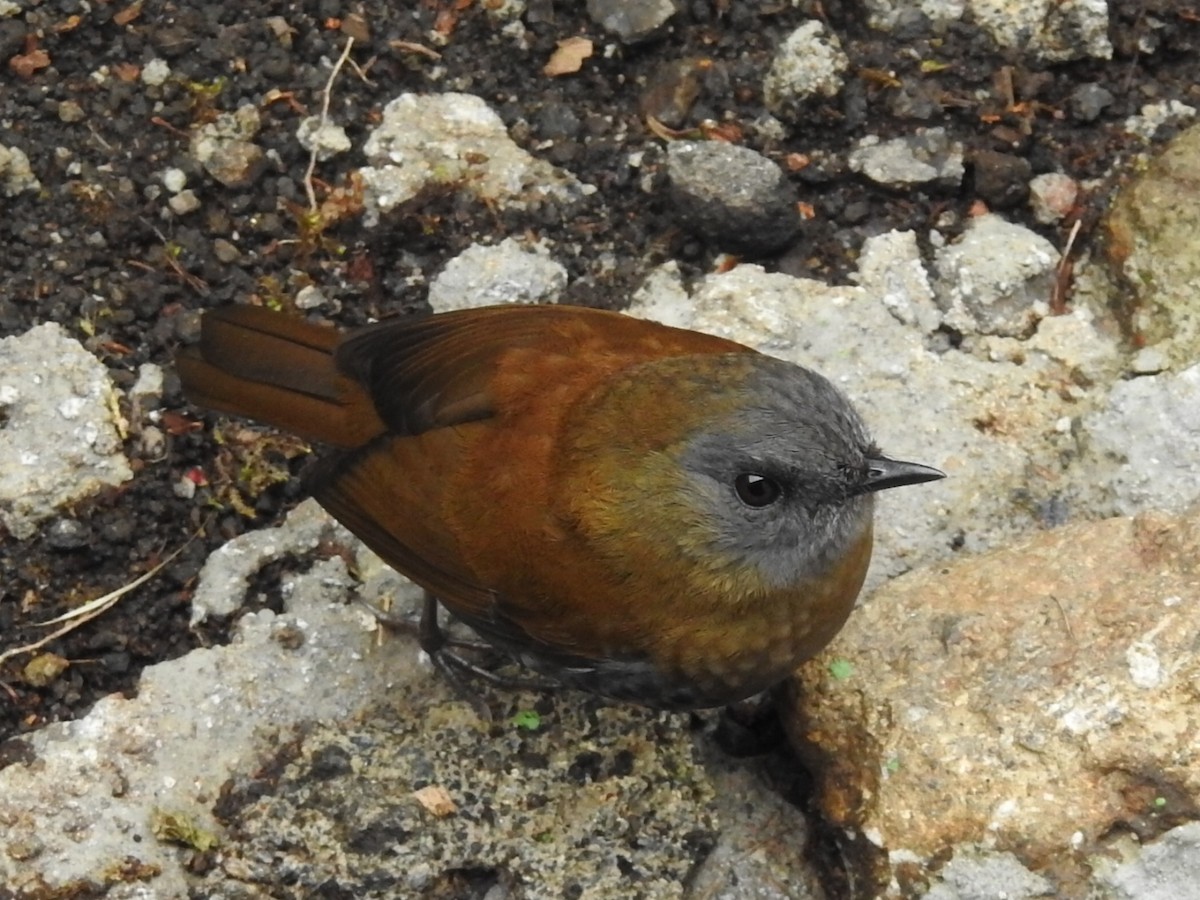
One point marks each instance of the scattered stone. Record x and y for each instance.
(69, 111)
(310, 297)
(1072, 29)
(973, 874)
(1088, 101)
(672, 89)
(68, 534)
(1154, 116)
(897, 16)
(997, 279)
(225, 251)
(808, 65)
(1024, 701)
(62, 432)
(504, 273)
(184, 202)
(1059, 32)
(1052, 196)
(731, 196)
(173, 179)
(327, 138)
(146, 392)
(225, 149)
(156, 72)
(427, 141)
(917, 100)
(16, 175)
(1001, 179)
(631, 22)
(225, 578)
(929, 156)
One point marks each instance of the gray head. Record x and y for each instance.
(786, 475)
(755, 472)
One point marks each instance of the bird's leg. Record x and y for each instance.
(435, 642)
(427, 631)
(431, 637)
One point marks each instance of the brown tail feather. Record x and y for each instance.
(279, 370)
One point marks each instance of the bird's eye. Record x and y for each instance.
(756, 490)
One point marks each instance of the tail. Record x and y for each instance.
(279, 370)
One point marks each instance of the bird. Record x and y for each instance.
(648, 513)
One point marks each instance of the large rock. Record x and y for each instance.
(1038, 701)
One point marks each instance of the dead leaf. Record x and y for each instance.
(569, 56)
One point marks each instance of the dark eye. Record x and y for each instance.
(756, 490)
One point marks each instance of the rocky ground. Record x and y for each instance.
(151, 167)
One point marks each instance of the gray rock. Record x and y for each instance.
(997, 279)
(1151, 360)
(327, 138)
(226, 150)
(731, 196)
(453, 140)
(1165, 869)
(184, 202)
(1060, 32)
(757, 823)
(504, 273)
(631, 21)
(929, 156)
(225, 577)
(809, 64)
(1147, 440)
(972, 875)
(61, 436)
(1153, 116)
(577, 799)
(156, 72)
(1088, 101)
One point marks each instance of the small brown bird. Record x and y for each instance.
(648, 513)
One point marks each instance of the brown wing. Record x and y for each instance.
(442, 385)
(391, 494)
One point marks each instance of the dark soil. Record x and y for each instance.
(95, 252)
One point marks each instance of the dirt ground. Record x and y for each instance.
(95, 251)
